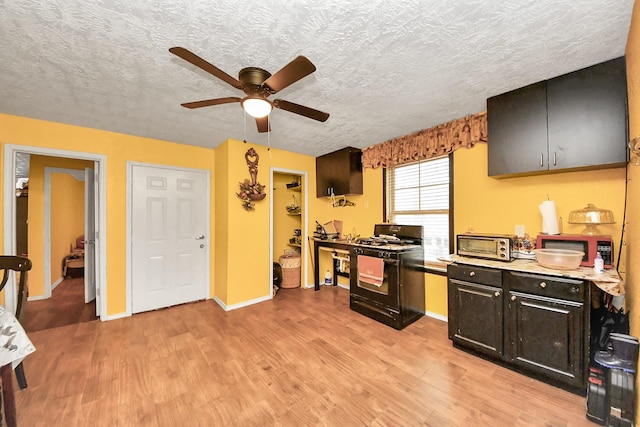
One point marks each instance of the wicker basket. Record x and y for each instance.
(290, 271)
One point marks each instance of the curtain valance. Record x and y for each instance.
(427, 143)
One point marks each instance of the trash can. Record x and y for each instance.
(290, 265)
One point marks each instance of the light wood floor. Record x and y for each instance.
(65, 307)
(301, 359)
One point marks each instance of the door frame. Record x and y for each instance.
(9, 176)
(129, 216)
(305, 221)
(48, 170)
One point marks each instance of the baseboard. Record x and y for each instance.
(436, 316)
(116, 316)
(242, 304)
(56, 283)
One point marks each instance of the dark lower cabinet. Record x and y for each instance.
(546, 337)
(477, 314)
(547, 326)
(533, 323)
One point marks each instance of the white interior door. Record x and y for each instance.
(90, 221)
(169, 237)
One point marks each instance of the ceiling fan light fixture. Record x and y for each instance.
(257, 107)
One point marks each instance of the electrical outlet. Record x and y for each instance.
(520, 230)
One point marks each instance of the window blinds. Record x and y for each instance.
(418, 194)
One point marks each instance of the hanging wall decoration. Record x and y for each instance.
(251, 191)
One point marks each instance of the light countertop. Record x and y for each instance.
(609, 281)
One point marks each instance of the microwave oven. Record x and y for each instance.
(498, 247)
(590, 245)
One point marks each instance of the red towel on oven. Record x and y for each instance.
(370, 270)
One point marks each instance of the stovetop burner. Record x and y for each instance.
(381, 241)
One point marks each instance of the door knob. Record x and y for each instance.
(202, 246)
(200, 237)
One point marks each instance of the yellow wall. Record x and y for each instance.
(67, 219)
(632, 232)
(242, 267)
(633, 216)
(118, 149)
(496, 205)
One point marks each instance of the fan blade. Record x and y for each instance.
(201, 63)
(290, 73)
(263, 124)
(301, 109)
(210, 102)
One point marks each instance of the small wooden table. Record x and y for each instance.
(317, 244)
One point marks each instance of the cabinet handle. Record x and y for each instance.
(473, 273)
(497, 293)
(554, 158)
(513, 297)
(541, 160)
(543, 285)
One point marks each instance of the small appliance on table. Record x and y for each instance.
(386, 276)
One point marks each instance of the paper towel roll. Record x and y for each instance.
(549, 217)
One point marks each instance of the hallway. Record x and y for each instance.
(65, 307)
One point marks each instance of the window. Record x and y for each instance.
(419, 194)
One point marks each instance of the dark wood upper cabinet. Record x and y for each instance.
(339, 173)
(575, 121)
(517, 131)
(587, 116)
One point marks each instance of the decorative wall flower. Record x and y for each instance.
(250, 193)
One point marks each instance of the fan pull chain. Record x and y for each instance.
(269, 134)
(245, 126)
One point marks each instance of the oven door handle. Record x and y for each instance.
(391, 261)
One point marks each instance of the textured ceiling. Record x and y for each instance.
(384, 68)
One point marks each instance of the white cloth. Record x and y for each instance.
(15, 345)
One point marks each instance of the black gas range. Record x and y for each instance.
(386, 275)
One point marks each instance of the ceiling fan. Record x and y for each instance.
(258, 85)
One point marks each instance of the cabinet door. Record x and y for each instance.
(475, 316)
(324, 180)
(517, 131)
(546, 336)
(339, 173)
(588, 117)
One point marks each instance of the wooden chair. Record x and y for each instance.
(21, 266)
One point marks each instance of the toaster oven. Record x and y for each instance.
(498, 247)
